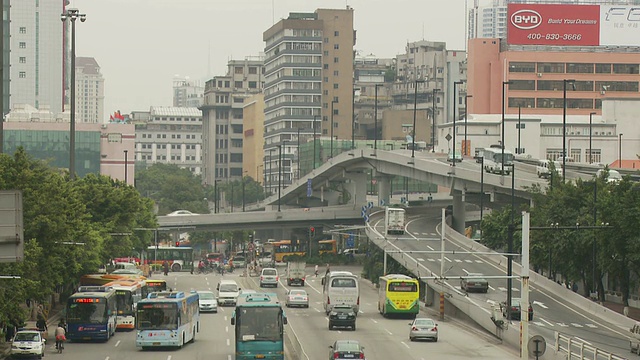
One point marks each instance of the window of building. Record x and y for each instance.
(326, 40)
(23, 45)
(253, 70)
(522, 67)
(326, 79)
(237, 84)
(227, 83)
(336, 99)
(546, 103)
(336, 46)
(22, 74)
(554, 85)
(550, 67)
(23, 59)
(336, 33)
(335, 72)
(596, 155)
(335, 86)
(324, 132)
(325, 66)
(253, 84)
(336, 112)
(625, 68)
(523, 102)
(630, 86)
(603, 68)
(23, 30)
(335, 59)
(580, 103)
(522, 85)
(579, 68)
(238, 70)
(325, 53)
(598, 104)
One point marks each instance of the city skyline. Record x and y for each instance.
(139, 55)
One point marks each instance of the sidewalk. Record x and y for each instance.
(634, 313)
(52, 323)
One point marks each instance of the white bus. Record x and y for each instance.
(493, 160)
(340, 288)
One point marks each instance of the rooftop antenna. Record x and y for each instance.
(273, 12)
(209, 61)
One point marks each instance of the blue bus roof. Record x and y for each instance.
(258, 299)
(177, 298)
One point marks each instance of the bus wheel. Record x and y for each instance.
(176, 267)
(285, 259)
(194, 336)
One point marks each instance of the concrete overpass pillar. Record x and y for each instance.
(458, 220)
(384, 189)
(357, 187)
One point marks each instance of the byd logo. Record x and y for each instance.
(526, 19)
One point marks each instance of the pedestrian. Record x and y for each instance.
(165, 267)
(316, 270)
(328, 270)
(41, 324)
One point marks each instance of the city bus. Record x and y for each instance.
(91, 313)
(259, 327)
(167, 318)
(128, 293)
(283, 249)
(493, 160)
(179, 258)
(154, 285)
(398, 294)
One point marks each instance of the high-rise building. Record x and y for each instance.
(308, 85)
(222, 118)
(187, 93)
(36, 53)
(89, 91)
(372, 94)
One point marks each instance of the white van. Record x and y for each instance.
(635, 338)
(340, 288)
(228, 292)
(543, 168)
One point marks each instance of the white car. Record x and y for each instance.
(27, 343)
(181, 213)
(207, 301)
(297, 298)
(613, 176)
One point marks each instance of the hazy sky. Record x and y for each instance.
(141, 44)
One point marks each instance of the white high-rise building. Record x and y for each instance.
(36, 56)
(187, 93)
(89, 91)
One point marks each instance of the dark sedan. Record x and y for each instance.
(346, 349)
(474, 282)
(515, 309)
(342, 316)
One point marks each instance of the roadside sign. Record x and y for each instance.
(381, 202)
(11, 228)
(309, 187)
(366, 218)
(370, 204)
(537, 346)
(351, 241)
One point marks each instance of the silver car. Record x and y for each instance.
(297, 298)
(423, 328)
(269, 276)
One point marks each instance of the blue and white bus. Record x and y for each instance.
(91, 313)
(259, 327)
(167, 319)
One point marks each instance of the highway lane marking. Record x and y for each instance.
(446, 258)
(577, 325)
(225, 317)
(389, 332)
(491, 287)
(479, 261)
(228, 357)
(537, 323)
(457, 260)
(107, 358)
(228, 342)
(562, 324)
(540, 304)
(548, 323)
(591, 326)
(226, 328)
(503, 289)
(405, 344)
(468, 261)
(582, 340)
(515, 289)
(420, 259)
(432, 260)
(316, 290)
(430, 248)
(374, 321)
(117, 343)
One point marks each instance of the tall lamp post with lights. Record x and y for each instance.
(590, 137)
(564, 124)
(620, 151)
(375, 118)
(433, 120)
(455, 101)
(126, 165)
(504, 85)
(466, 111)
(415, 110)
(279, 173)
(333, 102)
(72, 15)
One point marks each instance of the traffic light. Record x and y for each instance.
(251, 238)
(312, 232)
(177, 243)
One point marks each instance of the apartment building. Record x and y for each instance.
(187, 92)
(308, 86)
(222, 118)
(89, 91)
(372, 95)
(169, 135)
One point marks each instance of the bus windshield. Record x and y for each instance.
(508, 158)
(259, 323)
(86, 312)
(157, 316)
(124, 302)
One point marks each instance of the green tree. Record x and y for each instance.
(173, 188)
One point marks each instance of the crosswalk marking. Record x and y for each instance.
(468, 261)
(515, 289)
(420, 259)
(548, 323)
(430, 259)
(538, 323)
(562, 324)
(577, 325)
(457, 260)
(502, 289)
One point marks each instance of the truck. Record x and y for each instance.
(296, 273)
(394, 221)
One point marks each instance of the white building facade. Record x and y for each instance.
(169, 135)
(187, 92)
(89, 91)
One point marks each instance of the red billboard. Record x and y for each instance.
(553, 24)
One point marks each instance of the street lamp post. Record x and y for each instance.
(519, 126)
(481, 192)
(72, 15)
(466, 111)
(620, 151)
(504, 84)
(333, 102)
(375, 118)
(590, 137)
(510, 240)
(231, 197)
(126, 165)
(564, 124)
(298, 151)
(270, 168)
(433, 120)
(353, 119)
(314, 143)
(215, 196)
(279, 173)
(243, 199)
(455, 100)
(415, 109)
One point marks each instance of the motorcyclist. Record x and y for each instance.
(60, 335)
(201, 266)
